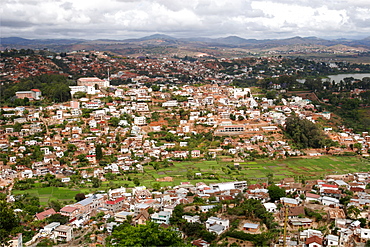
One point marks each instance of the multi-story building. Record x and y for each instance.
(115, 205)
(63, 233)
(162, 217)
(34, 94)
(92, 81)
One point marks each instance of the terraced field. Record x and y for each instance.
(217, 171)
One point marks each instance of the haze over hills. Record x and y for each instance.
(165, 41)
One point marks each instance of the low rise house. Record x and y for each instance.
(250, 227)
(191, 219)
(122, 216)
(45, 214)
(364, 233)
(200, 243)
(327, 201)
(312, 197)
(206, 208)
(332, 240)
(314, 241)
(300, 222)
(51, 227)
(141, 218)
(290, 202)
(270, 207)
(217, 225)
(16, 241)
(295, 212)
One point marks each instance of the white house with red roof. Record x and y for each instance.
(328, 187)
(312, 197)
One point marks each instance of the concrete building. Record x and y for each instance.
(140, 120)
(92, 81)
(115, 205)
(51, 227)
(163, 217)
(63, 233)
(33, 94)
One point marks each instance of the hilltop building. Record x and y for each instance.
(92, 81)
(33, 94)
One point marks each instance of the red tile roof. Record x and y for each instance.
(115, 201)
(68, 209)
(312, 195)
(314, 239)
(329, 185)
(45, 214)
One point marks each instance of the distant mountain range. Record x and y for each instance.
(59, 45)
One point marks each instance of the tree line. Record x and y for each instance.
(53, 87)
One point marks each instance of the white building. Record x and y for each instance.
(332, 240)
(270, 207)
(63, 233)
(84, 89)
(140, 120)
(217, 225)
(51, 227)
(162, 217)
(170, 103)
(241, 92)
(326, 201)
(191, 219)
(229, 185)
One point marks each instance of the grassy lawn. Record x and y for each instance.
(253, 172)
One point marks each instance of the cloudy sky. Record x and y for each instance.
(121, 19)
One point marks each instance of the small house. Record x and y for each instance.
(250, 227)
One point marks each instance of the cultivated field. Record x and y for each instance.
(217, 171)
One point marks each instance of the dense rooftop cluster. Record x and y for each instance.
(167, 112)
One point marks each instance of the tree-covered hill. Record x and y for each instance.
(53, 87)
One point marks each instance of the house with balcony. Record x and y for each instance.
(63, 233)
(69, 211)
(162, 217)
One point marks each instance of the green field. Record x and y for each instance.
(313, 168)
(217, 171)
(52, 193)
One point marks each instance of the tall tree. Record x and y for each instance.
(99, 152)
(304, 133)
(8, 221)
(275, 192)
(150, 234)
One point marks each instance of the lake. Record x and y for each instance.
(339, 77)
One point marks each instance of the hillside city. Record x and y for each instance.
(95, 147)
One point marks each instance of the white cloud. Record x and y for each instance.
(119, 19)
